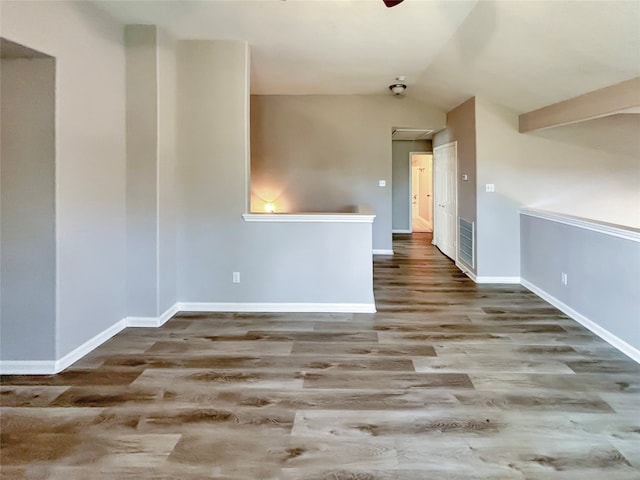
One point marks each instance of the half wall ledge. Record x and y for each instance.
(362, 215)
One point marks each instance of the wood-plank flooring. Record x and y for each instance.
(449, 380)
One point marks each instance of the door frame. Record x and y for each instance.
(455, 174)
(411, 186)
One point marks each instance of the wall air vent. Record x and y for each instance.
(411, 134)
(465, 242)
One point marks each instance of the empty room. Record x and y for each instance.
(320, 239)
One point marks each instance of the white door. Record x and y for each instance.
(445, 198)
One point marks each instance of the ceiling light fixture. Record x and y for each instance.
(399, 87)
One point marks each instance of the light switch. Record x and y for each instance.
(490, 187)
(382, 183)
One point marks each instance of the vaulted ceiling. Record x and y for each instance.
(520, 54)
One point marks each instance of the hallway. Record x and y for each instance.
(449, 380)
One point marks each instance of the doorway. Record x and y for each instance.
(421, 191)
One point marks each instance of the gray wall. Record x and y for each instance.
(151, 171)
(401, 184)
(27, 165)
(142, 170)
(461, 127)
(307, 263)
(212, 147)
(603, 283)
(327, 153)
(167, 172)
(90, 160)
(278, 262)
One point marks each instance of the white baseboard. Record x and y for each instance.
(27, 367)
(153, 321)
(382, 252)
(278, 307)
(511, 280)
(91, 344)
(603, 333)
(486, 279)
(50, 367)
(400, 230)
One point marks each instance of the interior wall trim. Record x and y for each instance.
(628, 233)
(487, 279)
(509, 280)
(309, 217)
(153, 321)
(278, 307)
(27, 367)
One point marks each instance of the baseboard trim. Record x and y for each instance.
(278, 307)
(377, 251)
(153, 321)
(401, 230)
(27, 367)
(50, 367)
(90, 345)
(485, 279)
(508, 280)
(601, 332)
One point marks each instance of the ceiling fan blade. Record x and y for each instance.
(392, 3)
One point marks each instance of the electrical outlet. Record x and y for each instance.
(564, 278)
(490, 187)
(236, 277)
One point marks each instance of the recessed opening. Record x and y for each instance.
(27, 203)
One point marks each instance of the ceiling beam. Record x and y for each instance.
(619, 98)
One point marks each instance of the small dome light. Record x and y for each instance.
(397, 88)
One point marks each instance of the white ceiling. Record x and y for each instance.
(521, 54)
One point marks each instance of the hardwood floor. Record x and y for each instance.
(449, 380)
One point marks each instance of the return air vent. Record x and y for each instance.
(410, 134)
(465, 244)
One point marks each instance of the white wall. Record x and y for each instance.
(27, 252)
(90, 159)
(327, 153)
(590, 170)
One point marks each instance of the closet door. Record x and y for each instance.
(445, 163)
